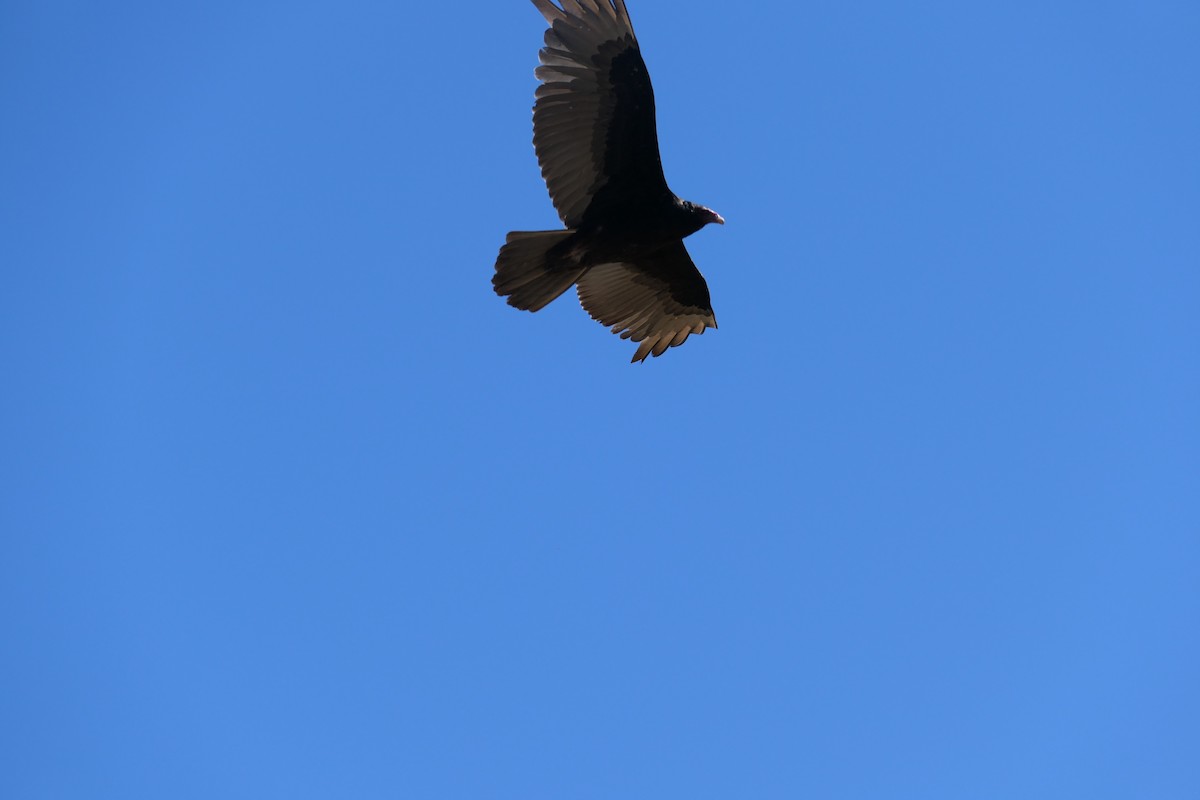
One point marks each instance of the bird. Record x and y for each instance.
(596, 141)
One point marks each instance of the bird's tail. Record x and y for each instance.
(526, 273)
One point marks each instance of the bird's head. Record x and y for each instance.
(703, 214)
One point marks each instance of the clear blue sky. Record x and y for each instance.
(294, 506)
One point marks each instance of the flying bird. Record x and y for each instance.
(596, 141)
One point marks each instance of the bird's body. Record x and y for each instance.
(595, 137)
(632, 231)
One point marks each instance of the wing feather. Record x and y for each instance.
(658, 301)
(593, 119)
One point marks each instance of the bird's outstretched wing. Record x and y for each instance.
(658, 301)
(593, 122)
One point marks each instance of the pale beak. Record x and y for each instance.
(717, 218)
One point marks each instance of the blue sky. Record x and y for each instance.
(296, 507)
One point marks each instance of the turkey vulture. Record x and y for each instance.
(595, 138)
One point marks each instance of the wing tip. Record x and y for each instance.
(616, 12)
(550, 11)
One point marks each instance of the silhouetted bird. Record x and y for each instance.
(595, 137)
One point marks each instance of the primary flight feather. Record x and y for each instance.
(596, 141)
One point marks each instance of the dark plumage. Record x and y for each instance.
(595, 137)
